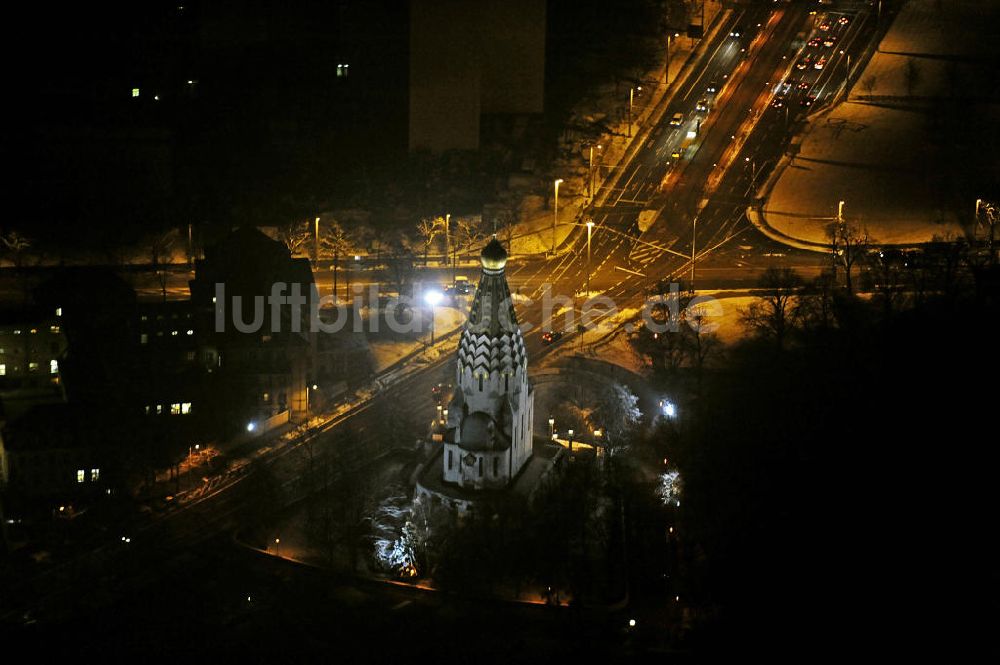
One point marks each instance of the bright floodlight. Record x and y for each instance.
(668, 408)
(251, 426)
(432, 298)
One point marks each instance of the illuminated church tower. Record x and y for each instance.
(488, 430)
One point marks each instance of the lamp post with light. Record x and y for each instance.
(631, 97)
(432, 298)
(555, 213)
(590, 171)
(590, 227)
(552, 427)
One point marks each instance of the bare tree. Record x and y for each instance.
(772, 316)
(160, 247)
(816, 305)
(616, 415)
(334, 242)
(428, 229)
(295, 235)
(15, 248)
(399, 263)
(849, 243)
(469, 232)
(701, 344)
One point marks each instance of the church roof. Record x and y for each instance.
(492, 340)
(493, 256)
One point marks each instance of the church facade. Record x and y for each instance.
(487, 434)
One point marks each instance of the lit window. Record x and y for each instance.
(53, 366)
(147, 409)
(190, 332)
(185, 408)
(135, 92)
(2, 351)
(58, 311)
(173, 333)
(81, 475)
(32, 367)
(34, 331)
(17, 332)
(190, 355)
(159, 409)
(175, 409)
(143, 338)
(143, 318)
(95, 475)
(267, 397)
(54, 330)
(3, 369)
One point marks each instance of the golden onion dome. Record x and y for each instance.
(493, 257)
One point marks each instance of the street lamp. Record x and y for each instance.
(552, 427)
(590, 227)
(694, 256)
(447, 243)
(432, 298)
(590, 171)
(668, 408)
(631, 97)
(570, 433)
(555, 214)
(666, 68)
(277, 546)
(316, 242)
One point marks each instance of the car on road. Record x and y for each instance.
(701, 106)
(807, 100)
(803, 63)
(552, 336)
(440, 391)
(677, 152)
(843, 20)
(825, 26)
(712, 88)
(676, 119)
(777, 102)
(819, 64)
(737, 31)
(830, 40)
(803, 85)
(815, 41)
